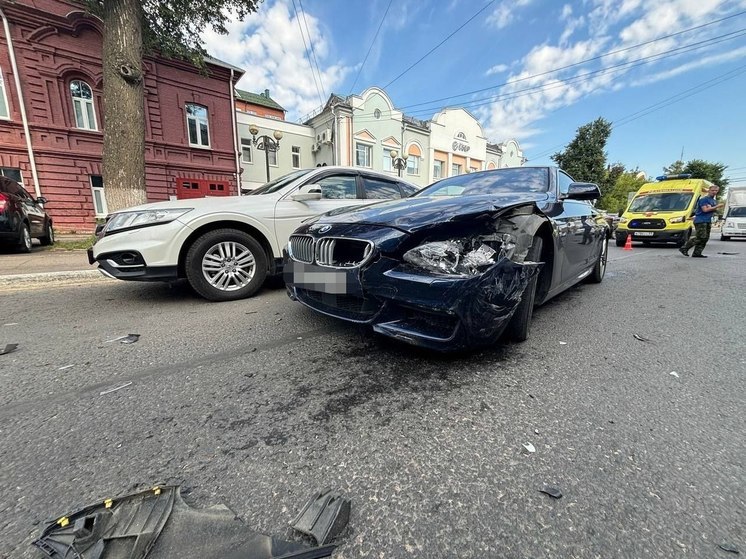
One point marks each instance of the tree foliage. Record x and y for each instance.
(701, 169)
(584, 157)
(615, 200)
(172, 28)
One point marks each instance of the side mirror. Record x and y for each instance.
(307, 192)
(583, 191)
(41, 200)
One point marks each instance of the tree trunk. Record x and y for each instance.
(124, 108)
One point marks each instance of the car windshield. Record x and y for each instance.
(661, 202)
(737, 212)
(499, 181)
(279, 183)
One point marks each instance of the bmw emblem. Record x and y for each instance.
(325, 228)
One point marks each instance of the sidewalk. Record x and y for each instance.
(43, 260)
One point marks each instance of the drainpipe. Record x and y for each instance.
(24, 119)
(235, 134)
(336, 137)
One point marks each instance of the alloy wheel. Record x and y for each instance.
(228, 266)
(26, 238)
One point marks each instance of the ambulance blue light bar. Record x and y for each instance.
(673, 177)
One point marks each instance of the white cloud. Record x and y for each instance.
(505, 13)
(496, 69)
(611, 25)
(282, 66)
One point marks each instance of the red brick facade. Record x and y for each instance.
(56, 44)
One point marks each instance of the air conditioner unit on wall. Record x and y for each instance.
(328, 136)
(315, 147)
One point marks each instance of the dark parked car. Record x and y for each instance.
(22, 217)
(456, 264)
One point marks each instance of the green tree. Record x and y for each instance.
(713, 172)
(616, 199)
(170, 28)
(584, 157)
(675, 168)
(613, 172)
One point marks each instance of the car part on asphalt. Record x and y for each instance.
(640, 338)
(323, 517)
(730, 548)
(9, 348)
(158, 524)
(529, 448)
(552, 491)
(130, 339)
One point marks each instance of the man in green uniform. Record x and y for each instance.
(706, 208)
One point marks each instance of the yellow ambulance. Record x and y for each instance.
(662, 211)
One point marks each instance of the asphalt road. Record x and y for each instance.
(256, 404)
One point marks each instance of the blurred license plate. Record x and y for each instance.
(644, 233)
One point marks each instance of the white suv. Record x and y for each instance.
(226, 246)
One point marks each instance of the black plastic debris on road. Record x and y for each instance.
(9, 348)
(158, 524)
(131, 339)
(640, 338)
(323, 517)
(729, 548)
(729, 253)
(552, 491)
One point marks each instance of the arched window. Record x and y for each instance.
(85, 114)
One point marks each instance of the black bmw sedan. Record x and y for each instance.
(458, 264)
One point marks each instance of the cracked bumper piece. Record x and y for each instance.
(157, 524)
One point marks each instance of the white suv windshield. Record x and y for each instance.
(279, 183)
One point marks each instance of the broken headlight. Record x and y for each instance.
(464, 257)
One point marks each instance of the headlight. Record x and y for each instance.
(730, 224)
(680, 219)
(467, 257)
(623, 220)
(143, 218)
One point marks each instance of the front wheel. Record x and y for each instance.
(520, 322)
(225, 265)
(597, 275)
(48, 238)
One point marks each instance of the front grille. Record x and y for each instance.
(335, 252)
(301, 248)
(742, 225)
(647, 224)
(342, 253)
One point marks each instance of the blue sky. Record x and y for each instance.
(664, 85)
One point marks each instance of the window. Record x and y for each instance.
(340, 187)
(99, 198)
(85, 115)
(455, 169)
(362, 155)
(380, 189)
(4, 111)
(387, 160)
(437, 170)
(11, 173)
(564, 182)
(413, 165)
(246, 151)
(272, 155)
(296, 157)
(199, 134)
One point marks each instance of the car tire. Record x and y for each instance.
(724, 238)
(24, 240)
(599, 270)
(48, 238)
(619, 242)
(520, 323)
(225, 265)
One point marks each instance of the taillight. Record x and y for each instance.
(3, 201)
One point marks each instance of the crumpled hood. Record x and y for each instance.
(411, 214)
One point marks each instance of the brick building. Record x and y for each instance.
(51, 85)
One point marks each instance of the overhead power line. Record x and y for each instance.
(371, 45)
(313, 51)
(428, 53)
(308, 55)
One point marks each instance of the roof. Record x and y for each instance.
(217, 62)
(261, 99)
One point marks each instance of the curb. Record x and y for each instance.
(45, 277)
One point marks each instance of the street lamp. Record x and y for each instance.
(399, 163)
(265, 143)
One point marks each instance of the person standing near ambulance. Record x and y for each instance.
(706, 208)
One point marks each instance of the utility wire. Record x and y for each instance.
(371, 45)
(623, 66)
(428, 53)
(310, 62)
(313, 51)
(600, 56)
